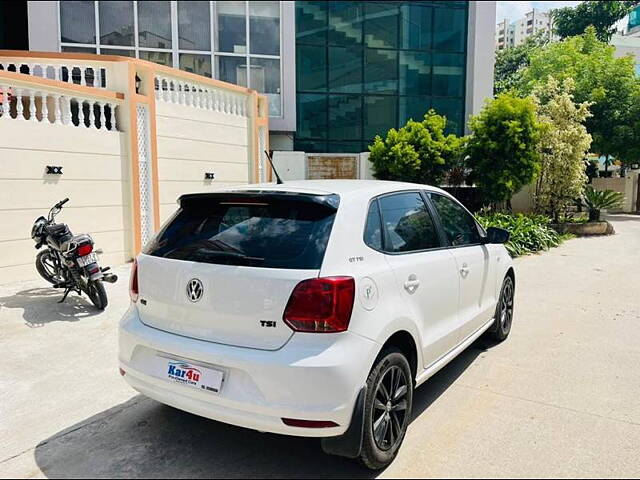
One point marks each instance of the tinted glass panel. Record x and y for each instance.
(116, 23)
(232, 27)
(380, 115)
(415, 27)
(312, 116)
(373, 227)
(200, 64)
(345, 117)
(311, 22)
(232, 70)
(77, 22)
(381, 71)
(163, 58)
(449, 28)
(413, 108)
(154, 24)
(345, 23)
(194, 26)
(381, 25)
(264, 25)
(458, 224)
(407, 223)
(113, 51)
(311, 68)
(448, 75)
(345, 69)
(452, 108)
(265, 78)
(271, 234)
(78, 50)
(415, 73)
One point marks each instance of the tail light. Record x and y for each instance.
(133, 283)
(321, 305)
(85, 249)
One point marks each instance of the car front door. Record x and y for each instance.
(425, 271)
(476, 271)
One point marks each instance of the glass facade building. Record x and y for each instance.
(365, 67)
(234, 41)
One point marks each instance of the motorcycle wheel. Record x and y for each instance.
(46, 267)
(97, 294)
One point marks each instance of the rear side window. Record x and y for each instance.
(373, 228)
(460, 227)
(271, 233)
(407, 224)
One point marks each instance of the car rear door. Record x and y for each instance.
(425, 272)
(476, 272)
(223, 268)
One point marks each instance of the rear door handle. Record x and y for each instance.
(412, 284)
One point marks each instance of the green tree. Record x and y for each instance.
(564, 144)
(503, 149)
(609, 84)
(510, 63)
(602, 15)
(418, 152)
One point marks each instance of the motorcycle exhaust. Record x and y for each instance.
(110, 278)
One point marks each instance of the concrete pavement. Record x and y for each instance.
(560, 398)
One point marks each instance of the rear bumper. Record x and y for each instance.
(313, 377)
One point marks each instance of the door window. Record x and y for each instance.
(407, 224)
(460, 227)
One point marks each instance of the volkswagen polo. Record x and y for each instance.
(313, 308)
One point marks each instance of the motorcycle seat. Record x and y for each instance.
(57, 229)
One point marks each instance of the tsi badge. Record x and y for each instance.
(194, 290)
(268, 323)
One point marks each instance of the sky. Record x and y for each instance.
(516, 10)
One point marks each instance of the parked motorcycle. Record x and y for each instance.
(69, 262)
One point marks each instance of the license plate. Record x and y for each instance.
(87, 260)
(195, 376)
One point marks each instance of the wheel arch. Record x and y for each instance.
(404, 341)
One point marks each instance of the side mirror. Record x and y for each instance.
(497, 235)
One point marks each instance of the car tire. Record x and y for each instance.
(501, 328)
(384, 410)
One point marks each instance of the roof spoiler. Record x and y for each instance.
(331, 201)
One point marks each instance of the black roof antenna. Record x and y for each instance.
(278, 179)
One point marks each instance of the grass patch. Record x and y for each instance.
(529, 233)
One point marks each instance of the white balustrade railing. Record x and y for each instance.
(79, 72)
(51, 106)
(201, 95)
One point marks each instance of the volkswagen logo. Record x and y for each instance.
(194, 290)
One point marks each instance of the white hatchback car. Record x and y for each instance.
(313, 308)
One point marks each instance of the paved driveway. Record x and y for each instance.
(560, 398)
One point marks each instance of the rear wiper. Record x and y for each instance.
(224, 246)
(224, 253)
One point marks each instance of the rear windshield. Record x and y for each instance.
(268, 232)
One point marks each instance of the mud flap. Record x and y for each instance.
(349, 444)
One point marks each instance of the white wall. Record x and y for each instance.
(480, 55)
(93, 173)
(193, 141)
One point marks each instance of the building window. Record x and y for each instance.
(234, 41)
(366, 67)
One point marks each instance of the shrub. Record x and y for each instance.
(529, 233)
(503, 150)
(419, 152)
(598, 200)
